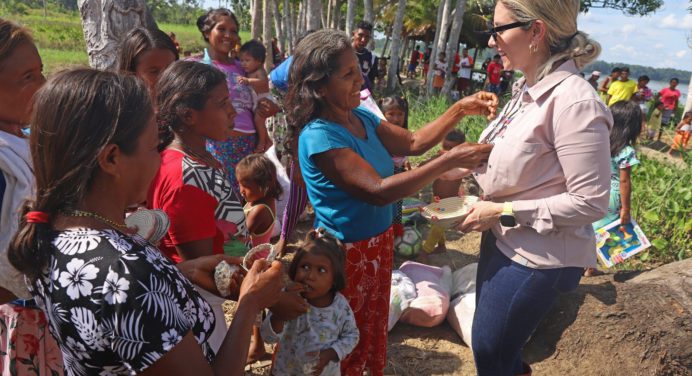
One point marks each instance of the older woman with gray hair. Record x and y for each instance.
(345, 156)
(546, 181)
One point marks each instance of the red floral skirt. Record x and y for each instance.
(26, 345)
(369, 278)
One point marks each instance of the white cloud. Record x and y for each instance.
(671, 21)
(623, 50)
(680, 54)
(628, 29)
(659, 46)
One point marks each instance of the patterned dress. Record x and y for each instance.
(115, 304)
(332, 327)
(626, 158)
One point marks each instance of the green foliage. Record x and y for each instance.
(422, 111)
(176, 11)
(631, 7)
(60, 38)
(661, 202)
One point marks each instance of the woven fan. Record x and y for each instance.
(151, 224)
(448, 211)
(264, 251)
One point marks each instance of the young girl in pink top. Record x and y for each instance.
(259, 187)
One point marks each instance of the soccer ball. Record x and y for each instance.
(409, 244)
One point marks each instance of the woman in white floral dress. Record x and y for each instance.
(114, 303)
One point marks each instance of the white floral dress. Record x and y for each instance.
(115, 304)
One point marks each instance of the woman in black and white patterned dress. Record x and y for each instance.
(114, 303)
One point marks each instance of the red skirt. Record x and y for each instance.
(369, 278)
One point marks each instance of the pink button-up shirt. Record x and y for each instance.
(553, 164)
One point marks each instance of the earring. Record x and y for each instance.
(533, 48)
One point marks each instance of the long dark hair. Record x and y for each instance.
(183, 85)
(319, 242)
(76, 115)
(315, 58)
(207, 21)
(627, 124)
(140, 40)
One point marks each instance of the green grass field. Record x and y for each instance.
(60, 39)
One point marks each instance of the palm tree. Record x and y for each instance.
(397, 41)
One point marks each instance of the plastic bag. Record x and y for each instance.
(463, 305)
(430, 306)
(402, 292)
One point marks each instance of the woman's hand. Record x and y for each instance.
(481, 103)
(483, 216)
(266, 108)
(469, 155)
(290, 304)
(200, 271)
(455, 174)
(262, 284)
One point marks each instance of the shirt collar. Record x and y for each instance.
(548, 82)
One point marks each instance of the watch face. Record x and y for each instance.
(508, 220)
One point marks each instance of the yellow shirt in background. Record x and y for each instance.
(621, 91)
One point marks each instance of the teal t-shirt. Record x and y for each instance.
(347, 217)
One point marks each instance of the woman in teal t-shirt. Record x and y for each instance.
(345, 156)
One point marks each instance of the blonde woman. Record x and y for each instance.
(546, 181)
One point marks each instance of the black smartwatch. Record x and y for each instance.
(507, 216)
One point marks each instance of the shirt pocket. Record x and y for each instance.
(520, 166)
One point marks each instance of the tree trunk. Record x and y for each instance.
(453, 45)
(444, 25)
(256, 25)
(350, 16)
(104, 22)
(288, 26)
(397, 41)
(386, 44)
(688, 104)
(314, 15)
(267, 34)
(369, 16)
(278, 26)
(335, 22)
(433, 53)
(300, 22)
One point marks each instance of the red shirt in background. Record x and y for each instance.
(669, 98)
(455, 67)
(199, 202)
(494, 70)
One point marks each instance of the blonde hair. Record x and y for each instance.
(564, 40)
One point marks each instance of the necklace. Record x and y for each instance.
(209, 160)
(499, 126)
(80, 213)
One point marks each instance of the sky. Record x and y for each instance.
(658, 40)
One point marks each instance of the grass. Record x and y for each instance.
(60, 39)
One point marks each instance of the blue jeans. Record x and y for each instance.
(511, 300)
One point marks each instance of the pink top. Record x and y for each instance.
(553, 163)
